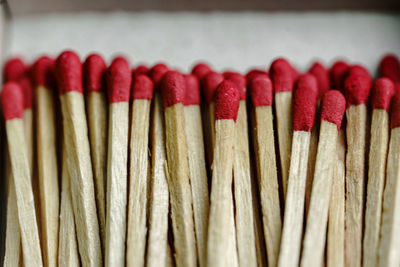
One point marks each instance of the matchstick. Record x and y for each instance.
(68, 70)
(141, 69)
(46, 140)
(142, 91)
(13, 69)
(304, 104)
(197, 164)
(260, 89)
(380, 100)
(332, 111)
(157, 242)
(337, 74)
(390, 67)
(94, 81)
(200, 70)
(389, 245)
(244, 212)
(356, 90)
(282, 76)
(221, 210)
(12, 103)
(173, 90)
(254, 73)
(119, 80)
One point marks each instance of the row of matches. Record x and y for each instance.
(118, 167)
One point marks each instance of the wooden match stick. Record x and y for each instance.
(389, 245)
(254, 73)
(356, 90)
(142, 91)
(380, 100)
(173, 93)
(390, 67)
(157, 243)
(46, 140)
(197, 164)
(141, 69)
(119, 80)
(282, 76)
(200, 70)
(94, 77)
(332, 111)
(337, 74)
(304, 104)
(260, 89)
(221, 210)
(68, 69)
(12, 102)
(244, 212)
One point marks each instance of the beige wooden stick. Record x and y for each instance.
(312, 156)
(157, 248)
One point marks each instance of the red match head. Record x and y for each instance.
(390, 67)
(119, 80)
(282, 74)
(338, 73)
(200, 70)
(192, 92)
(395, 111)
(210, 83)
(356, 89)
(43, 72)
(68, 70)
(141, 69)
(142, 87)
(322, 76)
(333, 107)
(362, 71)
(94, 70)
(12, 100)
(304, 103)
(240, 81)
(157, 72)
(254, 73)
(173, 88)
(260, 89)
(382, 93)
(13, 69)
(226, 101)
(26, 85)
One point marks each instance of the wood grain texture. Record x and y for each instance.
(379, 143)
(138, 185)
(198, 178)
(117, 183)
(179, 187)
(390, 230)
(268, 181)
(98, 122)
(157, 242)
(355, 179)
(24, 194)
(294, 206)
(82, 185)
(317, 218)
(312, 156)
(221, 210)
(335, 235)
(283, 111)
(47, 173)
(244, 216)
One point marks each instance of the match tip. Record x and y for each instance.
(304, 103)
(382, 93)
(157, 72)
(12, 100)
(395, 110)
(141, 69)
(260, 89)
(390, 67)
(239, 80)
(210, 83)
(356, 89)
(282, 74)
(172, 88)
(226, 101)
(192, 92)
(68, 70)
(142, 87)
(94, 70)
(119, 80)
(26, 86)
(333, 107)
(13, 69)
(200, 70)
(360, 70)
(338, 74)
(43, 72)
(322, 76)
(254, 73)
